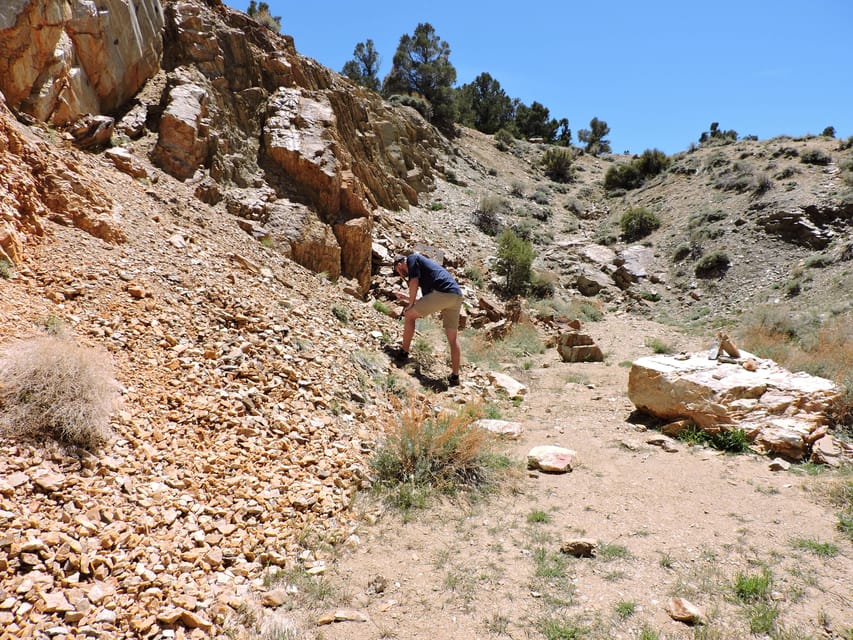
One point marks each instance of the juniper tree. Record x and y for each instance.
(364, 66)
(422, 66)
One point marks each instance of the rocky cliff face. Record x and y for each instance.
(37, 183)
(232, 106)
(242, 108)
(62, 58)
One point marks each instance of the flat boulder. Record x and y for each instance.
(778, 410)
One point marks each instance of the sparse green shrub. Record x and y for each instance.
(517, 188)
(436, 206)
(815, 156)
(630, 176)
(515, 257)
(6, 270)
(475, 275)
(503, 139)
(418, 104)
(557, 162)
(622, 176)
(638, 222)
(647, 633)
(542, 286)
(541, 196)
(819, 261)
(763, 617)
(426, 451)
(787, 172)
(845, 144)
(652, 162)
(341, 313)
(659, 346)
(793, 288)
(828, 132)
(488, 214)
(761, 184)
(712, 265)
(381, 307)
(51, 387)
(681, 252)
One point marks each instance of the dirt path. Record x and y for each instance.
(668, 523)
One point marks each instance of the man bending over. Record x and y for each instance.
(439, 292)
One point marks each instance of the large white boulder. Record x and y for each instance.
(779, 410)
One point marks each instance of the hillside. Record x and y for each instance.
(231, 274)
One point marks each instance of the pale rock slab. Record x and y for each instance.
(502, 428)
(512, 387)
(684, 611)
(776, 408)
(551, 459)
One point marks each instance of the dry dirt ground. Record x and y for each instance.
(683, 523)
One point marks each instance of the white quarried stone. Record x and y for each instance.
(776, 408)
(502, 428)
(551, 459)
(512, 387)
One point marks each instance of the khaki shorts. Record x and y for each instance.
(448, 303)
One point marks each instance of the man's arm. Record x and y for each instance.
(414, 283)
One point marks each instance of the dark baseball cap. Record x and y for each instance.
(399, 259)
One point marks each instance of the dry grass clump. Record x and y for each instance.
(52, 387)
(427, 451)
(805, 344)
(430, 448)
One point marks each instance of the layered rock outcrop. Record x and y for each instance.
(37, 183)
(780, 411)
(60, 59)
(229, 101)
(241, 106)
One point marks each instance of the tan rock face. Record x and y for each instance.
(37, 183)
(776, 408)
(339, 146)
(60, 59)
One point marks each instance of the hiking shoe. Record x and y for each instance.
(453, 380)
(400, 356)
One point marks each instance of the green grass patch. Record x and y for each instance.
(625, 609)
(558, 629)
(752, 587)
(821, 549)
(538, 516)
(763, 617)
(731, 441)
(608, 552)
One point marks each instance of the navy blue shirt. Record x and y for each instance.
(431, 275)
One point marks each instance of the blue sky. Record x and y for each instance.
(658, 72)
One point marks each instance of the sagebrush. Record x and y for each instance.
(50, 386)
(427, 451)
